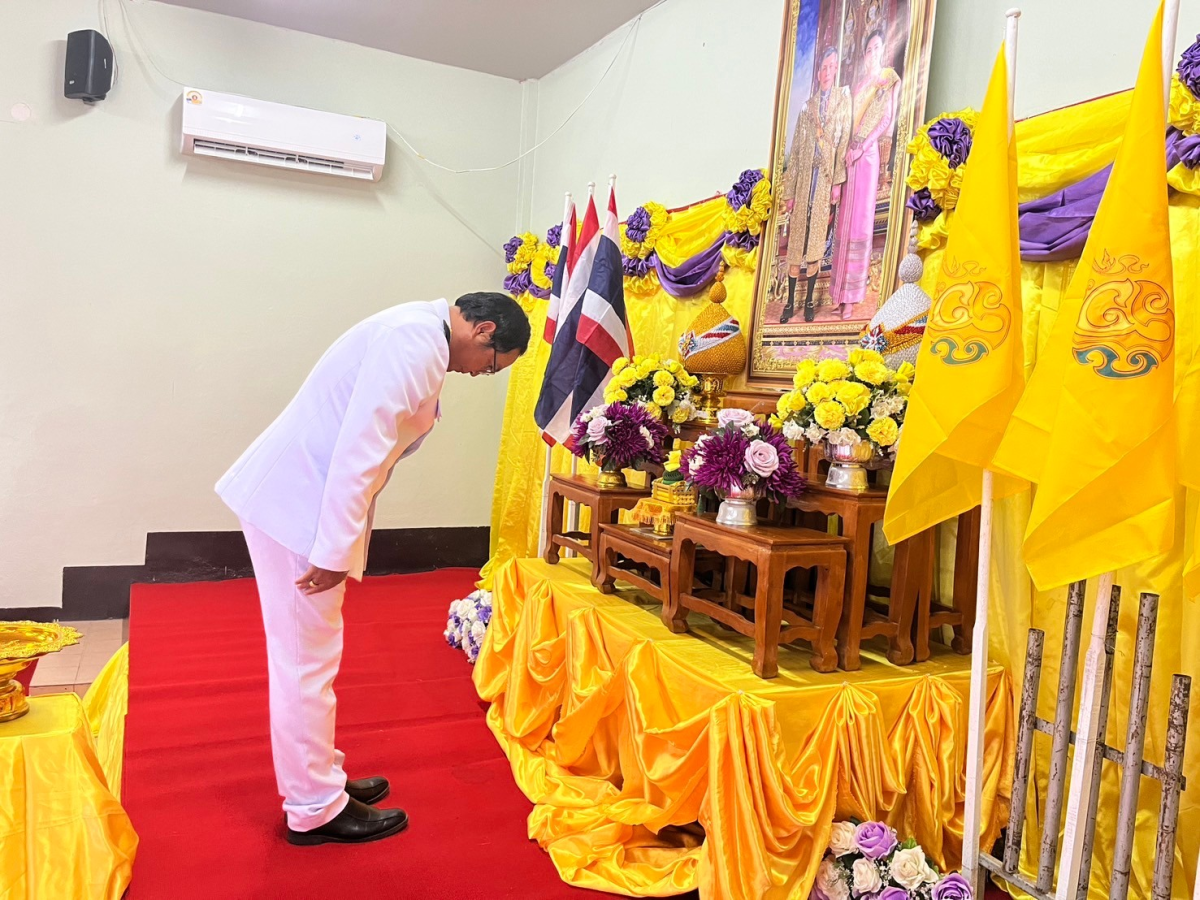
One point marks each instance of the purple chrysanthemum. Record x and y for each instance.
(637, 226)
(742, 240)
(519, 284)
(1189, 67)
(718, 464)
(637, 268)
(952, 138)
(739, 194)
(923, 205)
(554, 236)
(631, 436)
(511, 247)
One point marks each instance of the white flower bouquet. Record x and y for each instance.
(467, 624)
(867, 860)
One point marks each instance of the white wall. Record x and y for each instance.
(158, 311)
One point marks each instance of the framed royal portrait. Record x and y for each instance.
(850, 93)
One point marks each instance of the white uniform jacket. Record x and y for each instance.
(310, 480)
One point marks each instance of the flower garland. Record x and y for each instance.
(531, 263)
(748, 208)
(639, 234)
(868, 860)
(467, 623)
(939, 151)
(663, 387)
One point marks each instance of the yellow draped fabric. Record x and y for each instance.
(106, 703)
(63, 833)
(625, 735)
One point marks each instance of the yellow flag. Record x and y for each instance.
(1187, 420)
(970, 368)
(1106, 497)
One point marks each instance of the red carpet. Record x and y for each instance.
(199, 784)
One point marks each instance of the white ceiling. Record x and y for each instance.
(512, 38)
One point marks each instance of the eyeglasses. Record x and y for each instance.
(491, 370)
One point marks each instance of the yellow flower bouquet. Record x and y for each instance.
(663, 387)
(844, 402)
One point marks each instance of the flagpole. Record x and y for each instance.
(573, 514)
(977, 715)
(542, 536)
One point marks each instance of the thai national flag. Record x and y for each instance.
(590, 326)
(562, 274)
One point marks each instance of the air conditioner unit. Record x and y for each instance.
(227, 126)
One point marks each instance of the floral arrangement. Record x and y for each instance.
(663, 387)
(531, 263)
(741, 454)
(619, 436)
(867, 860)
(639, 235)
(846, 402)
(939, 150)
(467, 623)
(749, 207)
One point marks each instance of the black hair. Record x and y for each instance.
(512, 325)
(829, 51)
(877, 33)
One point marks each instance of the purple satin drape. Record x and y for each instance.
(1056, 227)
(695, 274)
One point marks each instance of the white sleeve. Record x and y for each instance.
(398, 373)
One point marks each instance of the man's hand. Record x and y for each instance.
(316, 580)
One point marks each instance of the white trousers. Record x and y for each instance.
(304, 650)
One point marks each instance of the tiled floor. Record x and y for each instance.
(74, 668)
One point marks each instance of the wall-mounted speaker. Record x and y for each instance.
(90, 66)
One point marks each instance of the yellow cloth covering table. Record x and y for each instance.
(625, 736)
(63, 834)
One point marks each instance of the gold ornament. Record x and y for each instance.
(20, 644)
(713, 348)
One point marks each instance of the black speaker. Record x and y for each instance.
(89, 74)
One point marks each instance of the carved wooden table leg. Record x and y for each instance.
(827, 612)
(554, 523)
(858, 530)
(768, 614)
(606, 558)
(683, 574)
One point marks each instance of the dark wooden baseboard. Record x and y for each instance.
(102, 592)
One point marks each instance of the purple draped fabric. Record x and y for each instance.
(1182, 148)
(695, 274)
(1056, 227)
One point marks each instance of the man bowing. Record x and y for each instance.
(305, 493)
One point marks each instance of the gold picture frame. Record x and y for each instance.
(863, 115)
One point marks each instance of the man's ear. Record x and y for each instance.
(485, 329)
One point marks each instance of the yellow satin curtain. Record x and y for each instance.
(63, 833)
(1055, 150)
(106, 703)
(624, 735)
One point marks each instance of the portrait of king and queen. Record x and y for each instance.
(850, 92)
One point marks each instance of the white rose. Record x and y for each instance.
(751, 431)
(841, 840)
(792, 431)
(909, 868)
(738, 417)
(814, 434)
(829, 880)
(866, 877)
(646, 436)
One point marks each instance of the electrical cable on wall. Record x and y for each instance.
(631, 31)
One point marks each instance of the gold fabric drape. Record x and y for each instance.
(106, 703)
(63, 833)
(625, 735)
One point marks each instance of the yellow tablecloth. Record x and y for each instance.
(625, 735)
(63, 834)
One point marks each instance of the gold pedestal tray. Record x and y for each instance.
(666, 501)
(20, 644)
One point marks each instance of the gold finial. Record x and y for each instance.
(717, 293)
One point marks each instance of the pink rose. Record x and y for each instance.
(739, 417)
(762, 459)
(596, 430)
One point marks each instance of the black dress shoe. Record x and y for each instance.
(368, 790)
(356, 824)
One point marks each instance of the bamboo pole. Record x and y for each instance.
(1089, 828)
(1062, 736)
(1168, 818)
(1020, 789)
(1135, 746)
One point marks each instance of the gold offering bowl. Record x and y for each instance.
(20, 644)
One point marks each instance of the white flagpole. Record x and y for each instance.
(573, 509)
(1079, 800)
(543, 538)
(977, 716)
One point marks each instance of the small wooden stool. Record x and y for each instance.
(774, 551)
(605, 503)
(637, 546)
